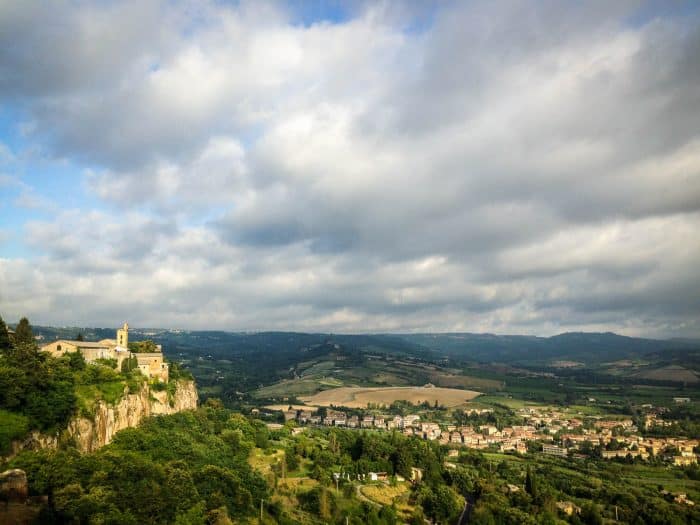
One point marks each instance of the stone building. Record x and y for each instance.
(150, 364)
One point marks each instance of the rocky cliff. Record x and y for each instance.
(92, 433)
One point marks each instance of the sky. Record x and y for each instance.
(525, 167)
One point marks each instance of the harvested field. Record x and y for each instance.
(456, 380)
(359, 397)
(567, 364)
(671, 373)
(283, 407)
(294, 387)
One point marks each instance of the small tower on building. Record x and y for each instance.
(123, 337)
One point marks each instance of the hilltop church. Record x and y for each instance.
(150, 364)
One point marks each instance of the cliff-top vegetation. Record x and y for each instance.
(40, 392)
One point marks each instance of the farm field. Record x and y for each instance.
(387, 495)
(283, 407)
(671, 373)
(263, 461)
(451, 380)
(360, 397)
(295, 387)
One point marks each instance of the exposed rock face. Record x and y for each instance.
(91, 434)
(34, 441)
(13, 485)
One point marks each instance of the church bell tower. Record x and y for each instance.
(123, 337)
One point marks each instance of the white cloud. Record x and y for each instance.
(524, 170)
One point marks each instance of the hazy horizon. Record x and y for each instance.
(358, 333)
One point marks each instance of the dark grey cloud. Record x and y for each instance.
(511, 166)
(73, 49)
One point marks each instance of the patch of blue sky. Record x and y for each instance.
(12, 221)
(207, 218)
(11, 236)
(302, 12)
(422, 20)
(654, 9)
(10, 134)
(33, 187)
(11, 246)
(33, 172)
(61, 183)
(310, 12)
(250, 135)
(45, 190)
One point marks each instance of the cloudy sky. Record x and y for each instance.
(510, 167)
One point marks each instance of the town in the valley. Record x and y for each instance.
(546, 431)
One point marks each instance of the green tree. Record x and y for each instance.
(5, 343)
(212, 480)
(387, 515)
(291, 458)
(23, 333)
(146, 346)
(440, 503)
(219, 516)
(531, 483)
(13, 386)
(129, 364)
(77, 361)
(590, 515)
(193, 516)
(12, 426)
(324, 504)
(179, 489)
(402, 460)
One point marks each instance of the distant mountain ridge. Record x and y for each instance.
(585, 347)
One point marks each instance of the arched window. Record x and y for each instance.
(58, 348)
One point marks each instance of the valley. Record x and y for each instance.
(328, 428)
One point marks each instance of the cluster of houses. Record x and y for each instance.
(558, 433)
(512, 438)
(619, 438)
(509, 438)
(341, 419)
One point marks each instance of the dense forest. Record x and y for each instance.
(188, 468)
(37, 391)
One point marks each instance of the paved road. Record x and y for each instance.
(466, 513)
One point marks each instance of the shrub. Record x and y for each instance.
(12, 426)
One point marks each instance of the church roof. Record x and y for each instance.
(83, 344)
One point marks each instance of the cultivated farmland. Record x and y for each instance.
(360, 397)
